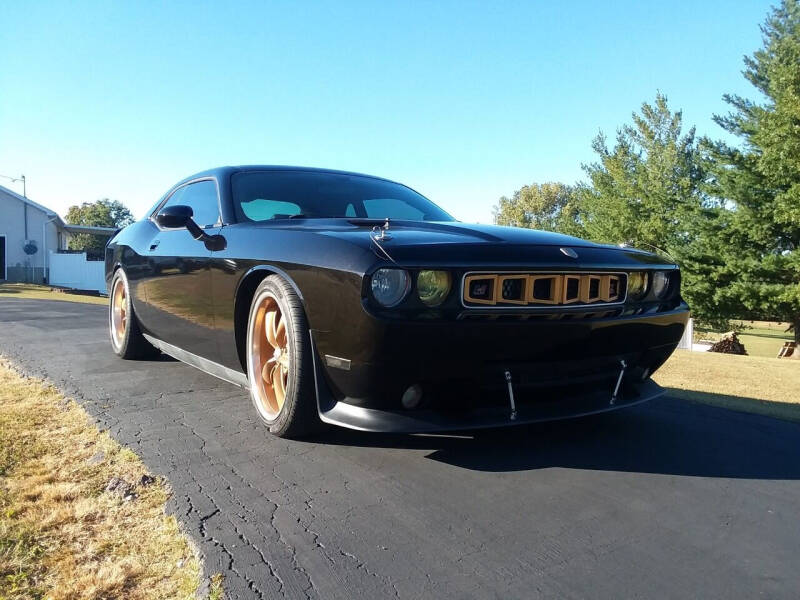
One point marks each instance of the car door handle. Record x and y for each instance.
(154, 245)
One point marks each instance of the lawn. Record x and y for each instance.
(45, 292)
(80, 517)
(767, 386)
(760, 338)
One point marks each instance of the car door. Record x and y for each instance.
(178, 290)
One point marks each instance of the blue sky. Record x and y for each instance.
(463, 101)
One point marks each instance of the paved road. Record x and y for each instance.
(669, 500)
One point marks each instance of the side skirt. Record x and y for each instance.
(198, 362)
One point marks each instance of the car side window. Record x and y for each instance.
(202, 197)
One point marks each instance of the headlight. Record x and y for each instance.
(661, 284)
(433, 287)
(637, 284)
(390, 286)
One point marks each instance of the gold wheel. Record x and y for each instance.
(270, 357)
(119, 312)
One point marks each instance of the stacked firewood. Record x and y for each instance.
(729, 344)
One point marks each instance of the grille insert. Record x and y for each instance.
(542, 289)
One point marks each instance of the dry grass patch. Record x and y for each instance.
(767, 386)
(45, 292)
(65, 533)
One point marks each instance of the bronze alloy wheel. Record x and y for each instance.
(280, 366)
(270, 357)
(119, 312)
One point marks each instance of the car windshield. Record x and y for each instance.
(268, 195)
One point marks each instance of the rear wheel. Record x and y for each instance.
(279, 363)
(126, 336)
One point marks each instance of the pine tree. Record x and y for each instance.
(750, 250)
(643, 190)
(646, 191)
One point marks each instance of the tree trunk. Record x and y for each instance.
(797, 331)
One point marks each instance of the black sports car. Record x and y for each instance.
(342, 298)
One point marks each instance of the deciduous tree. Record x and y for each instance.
(547, 206)
(102, 213)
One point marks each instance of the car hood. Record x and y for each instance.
(423, 233)
(454, 243)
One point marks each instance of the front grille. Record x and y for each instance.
(542, 289)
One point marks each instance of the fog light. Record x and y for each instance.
(412, 397)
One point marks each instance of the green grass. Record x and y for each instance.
(45, 292)
(760, 338)
(766, 386)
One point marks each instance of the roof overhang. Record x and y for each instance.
(94, 230)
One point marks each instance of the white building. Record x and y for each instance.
(29, 232)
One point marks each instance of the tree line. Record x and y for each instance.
(729, 214)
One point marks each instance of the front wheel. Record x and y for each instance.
(279, 362)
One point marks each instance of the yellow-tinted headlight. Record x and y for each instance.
(637, 284)
(433, 286)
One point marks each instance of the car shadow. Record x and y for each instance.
(668, 436)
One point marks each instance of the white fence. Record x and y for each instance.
(688, 334)
(74, 271)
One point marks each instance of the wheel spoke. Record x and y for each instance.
(271, 328)
(280, 333)
(266, 373)
(278, 385)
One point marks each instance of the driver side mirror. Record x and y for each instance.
(180, 215)
(175, 216)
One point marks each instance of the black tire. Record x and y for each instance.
(298, 416)
(128, 343)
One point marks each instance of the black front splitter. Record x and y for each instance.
(429, 421)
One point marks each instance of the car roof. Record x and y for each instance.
(220, 172)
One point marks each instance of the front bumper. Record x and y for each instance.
(559, 369)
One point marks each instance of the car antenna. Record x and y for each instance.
(656, 248)
(379, 234)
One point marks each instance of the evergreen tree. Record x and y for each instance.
(645, 189)
(751, 252)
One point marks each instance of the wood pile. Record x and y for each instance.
(729, 344)
(789, 350)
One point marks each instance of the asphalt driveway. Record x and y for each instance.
(668, 499)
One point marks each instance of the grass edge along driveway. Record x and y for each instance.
(80, 516)
(32, 291)
(765, 386)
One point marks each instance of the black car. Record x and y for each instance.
(342, 298)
